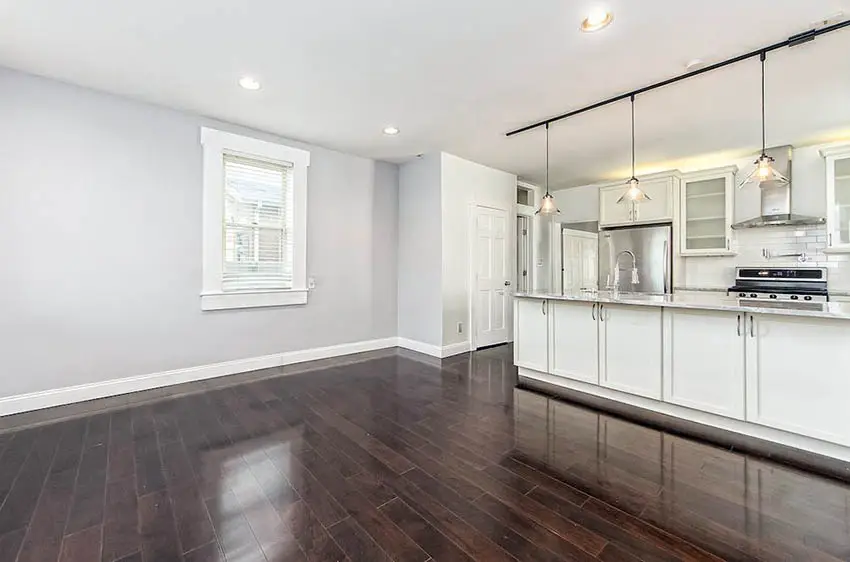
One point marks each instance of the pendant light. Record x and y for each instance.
(547, 204)
(633, 193)
(764, 170)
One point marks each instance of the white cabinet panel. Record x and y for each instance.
(705, 361)
(658, 209)
(660, 206)
(612, 213)
(707, 209)
(631, 349)
(574, 341)
(837, 160)
(531, 334)
(798, 377)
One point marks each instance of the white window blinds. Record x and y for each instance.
(258, 224)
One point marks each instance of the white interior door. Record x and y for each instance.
(579, 259)
(492, 277)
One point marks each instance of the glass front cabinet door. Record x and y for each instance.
(838, 197)
(707, 211)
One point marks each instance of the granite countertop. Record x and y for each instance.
(702, 300)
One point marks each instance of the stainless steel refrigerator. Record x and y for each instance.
(636, 259)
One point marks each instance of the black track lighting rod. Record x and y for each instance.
(792, 41)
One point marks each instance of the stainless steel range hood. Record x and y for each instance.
(776, 197)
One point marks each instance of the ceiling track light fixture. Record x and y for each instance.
(792, 41)
(633, 193)
(764, 172)
(548, 206)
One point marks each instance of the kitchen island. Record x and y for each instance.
(769, 377)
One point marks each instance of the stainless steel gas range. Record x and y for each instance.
(783, 285)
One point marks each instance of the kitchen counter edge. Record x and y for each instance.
(701, 301)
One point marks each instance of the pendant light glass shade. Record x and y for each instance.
(764, 172)
(547, 204)
(633, 193)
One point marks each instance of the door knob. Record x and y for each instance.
(507, 283)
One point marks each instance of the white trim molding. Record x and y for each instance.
(435, 350)
(83, 392)
(215, 144)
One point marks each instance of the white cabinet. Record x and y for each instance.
(660, 207)
(531, 334)
(707, 210)
(797, 375)
(705, 359)
(630, 354)
(660, 188)
(837, 161)
(574, 340)
(612, 213)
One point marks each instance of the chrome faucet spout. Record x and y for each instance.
(635, 276)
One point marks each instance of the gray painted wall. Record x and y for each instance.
(100, 233)
(420, 305)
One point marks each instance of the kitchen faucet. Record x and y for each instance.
(635, 277)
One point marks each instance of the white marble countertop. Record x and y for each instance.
(701, 300)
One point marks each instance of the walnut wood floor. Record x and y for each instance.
(394, 459)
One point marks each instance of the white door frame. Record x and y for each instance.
(472, 233)
(530, 254)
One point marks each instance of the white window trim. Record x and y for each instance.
(215, 144)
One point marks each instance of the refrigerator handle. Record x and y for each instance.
(666, 264)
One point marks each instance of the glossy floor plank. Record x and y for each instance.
(396, 458)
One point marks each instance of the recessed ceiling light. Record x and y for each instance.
(391, 130)
(249, 83)
(694, 64)
(596, 20)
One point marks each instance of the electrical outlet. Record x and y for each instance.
(460, 327)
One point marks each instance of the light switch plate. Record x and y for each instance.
(311, 283)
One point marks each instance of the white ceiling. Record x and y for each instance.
(455, 75)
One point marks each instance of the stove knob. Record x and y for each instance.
(742, 294)
(773, 296)
(808, 297)
(753, 296)
(795, 298)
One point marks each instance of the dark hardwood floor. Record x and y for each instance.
(396, 459)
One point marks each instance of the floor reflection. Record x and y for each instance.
(732, 504)
(397, 457)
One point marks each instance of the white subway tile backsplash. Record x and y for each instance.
(750, 244)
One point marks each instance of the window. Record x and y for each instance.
(255, 212)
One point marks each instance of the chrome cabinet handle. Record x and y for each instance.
(727, 243)
(752, 327)
(602, 313)
(830, 239)
(739, 325)
(544, 308)
(593, 311)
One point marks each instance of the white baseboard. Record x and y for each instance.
(434, 350)
(80, 393)
(455, 349)
(426, 348)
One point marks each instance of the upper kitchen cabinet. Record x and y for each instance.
(838, 197)
(659, 187)
(707, 210)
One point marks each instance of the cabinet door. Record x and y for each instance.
(838, 199)
(612, 213)
(705, 354)
(707, 209)
(660, 206)
(630, 349)
(531, 334)
(574, 341)
(797, 377)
